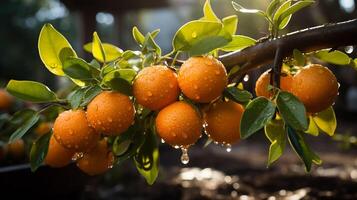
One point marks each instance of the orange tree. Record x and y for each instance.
(126, 100)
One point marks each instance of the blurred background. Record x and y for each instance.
(212, 172)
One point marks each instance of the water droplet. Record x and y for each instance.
(96, 108)
(195, 87)
(246, 78)
(71, 132)
(349, 49)
(185, 135)
(149, 93)
(174, 134)
(197, 97)
(77, 156)
(176, 147)
(99, 122)
(110, 120)
(184, 157)
(217, 72)
(194, 34)
(162, 141)
(228, 148)
(321, 71)
(171, 85)
(76, 146)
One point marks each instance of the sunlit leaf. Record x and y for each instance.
(208, 12)
(302, 149)
(38, 151)
(279, 12)
(326, 121)
(334, 57)
(273, 5)
(98, 49)
(257, 113)
(241, 9)
(292, 110)
(31, 91)
(77, 68)
(200, 37)
(112, 52)
(127, 74)
(239, 42)
(150, 45)
(138, 36)
(285, 16)
(275, 132)
(54, 48)
(313, 129)
(230, 24)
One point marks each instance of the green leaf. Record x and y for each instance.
(90, 93)
(122, 143)
(98, 49)
(200, 37)
(112, 52)
(275, 132)
(54, 48)
(241, 9)
(326, 121)
(299, 57)
(304, 152)
(29, 119)
(121, 85)
(127, 74)
(313, 129)
(292, 110)
(257, 113)
(208, 12)
(238, 95)
(76, 97)
(38, 151)
(239, 42)
(147, 159)
(334, 57)
(77, 68)
(279, 12)
(138, 36)
(230, 24)
(150, 45)
(285, 16)
(31, 91)
(273, 5)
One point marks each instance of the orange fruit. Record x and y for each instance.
(97, 161)
(71, 130)
(202, 79)
(57, 155)
(17, 148)
(43, 128)
(6, 100)
(111, 113)
(179, 124)
(261, 86)
(316, 86)
(223, 121)
(156, 87)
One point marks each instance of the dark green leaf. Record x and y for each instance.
(292, 110)
(257, 113)
(120, 85)
(28, 121)
(92, 92)
(238, 95)
(31, 91)
(39, 151)
(75, 99)
(304, 152)
(275, 132)
(299, 57)
(77, 68)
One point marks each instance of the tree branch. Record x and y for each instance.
(307, 40)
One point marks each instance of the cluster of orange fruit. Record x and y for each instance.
(314, 85)
(76, 133)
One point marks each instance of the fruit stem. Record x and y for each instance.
(276, 68)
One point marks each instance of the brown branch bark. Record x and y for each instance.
(307, 40)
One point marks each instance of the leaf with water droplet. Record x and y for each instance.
(292, 110)
(326, 121)
(257, 113)
(302, 149)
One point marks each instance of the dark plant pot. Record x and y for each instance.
(46, 183)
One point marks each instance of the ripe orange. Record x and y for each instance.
(97, 161)
(57, 155)
(71, 130)
(43, 128)
(316, 86)
(156, 87)
(179, 124)
(6, 100)
(17, 148)
(111, 113)
(261, 86)
(202, 79)
(223, 121)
